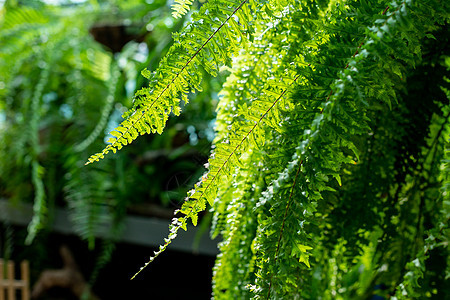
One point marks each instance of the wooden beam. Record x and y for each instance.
(142, 231)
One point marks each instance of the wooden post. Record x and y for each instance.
(10, 288)
(8, 283)
(2, 290)
(25, 275)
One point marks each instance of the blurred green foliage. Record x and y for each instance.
(68, 69)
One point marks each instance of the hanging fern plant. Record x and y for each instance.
(326, 172)
(59, 91)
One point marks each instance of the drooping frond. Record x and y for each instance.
(208, 43)
(105, 113)
(326, 139)
(32, 115)
(19, 27)
(226, 156)
(436, 238)
(40, 206)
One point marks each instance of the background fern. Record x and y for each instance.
(59, 91)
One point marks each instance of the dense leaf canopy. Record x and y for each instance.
(327, 177)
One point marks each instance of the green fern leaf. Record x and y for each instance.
(181, 7)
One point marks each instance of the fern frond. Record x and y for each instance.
(181, 7)
(40, 207)
(339, 114)
(88, 195)
(115, 74)
(235, 263)
(248, 76)
(178, 72)
(25, 17)
(304, 257)
(18, 27)
(436, 238)
(226, 155)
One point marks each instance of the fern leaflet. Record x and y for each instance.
(181, 7)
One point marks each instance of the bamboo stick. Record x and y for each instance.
(25, 275)
(10, 288)
(2, 290)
